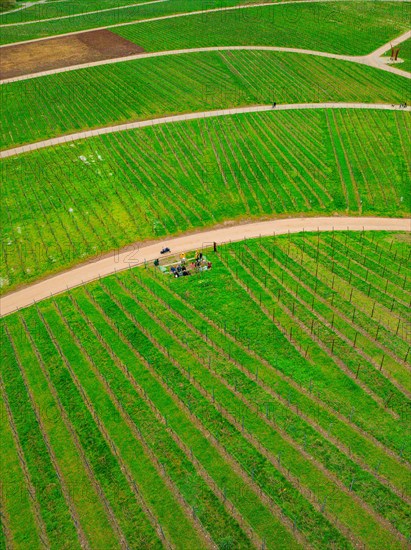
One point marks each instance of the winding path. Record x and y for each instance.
(372, 60)
(136, 254)
(69, 138)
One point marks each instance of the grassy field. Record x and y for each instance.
(64, 204)
(315, 26)
(265, 400)
(64, 103)
(351, 28)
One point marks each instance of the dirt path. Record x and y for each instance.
(68, 138)
(138, 254)
(373, 59)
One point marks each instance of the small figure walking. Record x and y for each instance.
(274, 105)
(215, 247)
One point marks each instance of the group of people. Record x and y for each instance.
(182, 270)
(179, 271)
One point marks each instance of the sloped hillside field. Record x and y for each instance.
(205, 275)
(160, 411)
(65, 204)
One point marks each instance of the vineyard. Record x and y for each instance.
(375, 22)
(287, 26)
(96, 194)
(205, 275)
(64, 103)
(152, 411)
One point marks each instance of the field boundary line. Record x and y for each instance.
(123, 259)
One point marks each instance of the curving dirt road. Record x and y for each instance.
(136, 254)
(372, 60)
(191, 116)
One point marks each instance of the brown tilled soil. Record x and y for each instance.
(65, 51)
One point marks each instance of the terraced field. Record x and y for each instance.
(97, 194)
(264, 402)
(65, 17)
(72, 101)
(190, 421)
(373, 20)
(355, 28)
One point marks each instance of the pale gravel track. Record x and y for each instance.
(372, 60)
(69, 138)
(138, 254)
(188, 14)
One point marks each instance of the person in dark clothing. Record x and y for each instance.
(215, 247)
(274, 105)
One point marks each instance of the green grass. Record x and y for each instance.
(147, 88)
(405, 55)
(240, 406)
(374, 24)
(65, 204)
(351, 28)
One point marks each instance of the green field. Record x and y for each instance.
(187, 417)
(344, 27)
(64, 103)
(350, 28)
(264, 403)
(62, 205)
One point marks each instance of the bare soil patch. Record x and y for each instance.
(65, 51)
